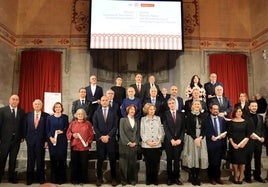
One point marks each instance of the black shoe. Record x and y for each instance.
(148, 182)
(29, 182)
(178, 182)
(114, 182)
(99, 182)
(13, 180)
(248, 180)
(259, 179)
(169, 182)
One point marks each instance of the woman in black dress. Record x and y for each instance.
(238, 134)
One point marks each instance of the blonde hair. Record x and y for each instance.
(146, 107)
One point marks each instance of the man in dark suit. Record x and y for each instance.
(112, 104)
(151, 83)
(105, 127)
(11, 134)
(216, 144)
(178, 100)
(138, 87)
(116, 108)
(93, 93)
(210, 87)
(82, 103)
(35, 136)
(174, 135)
(223, 102)
(156, 101)
(254, 145)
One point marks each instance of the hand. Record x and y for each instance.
(210, 96)
(262, 139)
(235, 146)
(75, 135)
(221, 114)
(213, 138)
(53, 140)
(132, 144)
(105, 139)
(178, 142)
(197, 142)
(59, 131)
(173, 142)
(223, 135)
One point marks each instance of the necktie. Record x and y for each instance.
(83, 103)
(153, 101)
(13, 113)
(174, 119)
(138, 87)
(111, 103)
(105, 114)
(36, 120)
(220, 101)
(174, 116)
(216, 126)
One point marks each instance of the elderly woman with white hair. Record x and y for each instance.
(80, 133)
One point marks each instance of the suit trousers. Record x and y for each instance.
(36, 155)
(10, 149)
(104, 149)
(253, 147)
(173, 153)
(128, 164)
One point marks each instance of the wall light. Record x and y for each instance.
(264, 54)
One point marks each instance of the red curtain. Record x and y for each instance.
(231, 70)
(40, 72)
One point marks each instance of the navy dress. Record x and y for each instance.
(58, 152)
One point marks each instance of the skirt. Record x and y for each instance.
(192, 156)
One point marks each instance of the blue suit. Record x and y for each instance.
(103, 128)
(216, 149)
(35, 140)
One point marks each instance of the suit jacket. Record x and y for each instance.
(97, 95)
(180, 103)
(217, 149)
(174, 130)
(158, 105)
(77, 104)
(225, 107)
(147, 88)
(35, 136)
(11, 128)
(127, 133)
(140, 94)
(210, 88)
(210, 131)
(102, 127)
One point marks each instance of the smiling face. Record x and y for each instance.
(131, 111)
(196, 106)
(37, 105)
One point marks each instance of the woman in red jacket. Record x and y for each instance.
(80, 133)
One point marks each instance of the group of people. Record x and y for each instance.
(142, 119)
